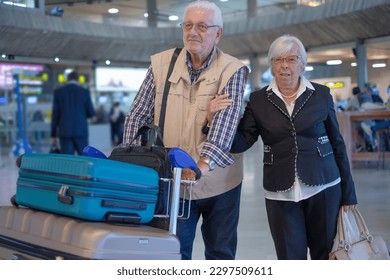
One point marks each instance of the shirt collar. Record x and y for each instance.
(303, 84)
(205, 64)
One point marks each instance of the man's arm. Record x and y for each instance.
(141, 111)
(247, 132)
(90, 109)
(223, 127)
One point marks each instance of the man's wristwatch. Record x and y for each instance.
(209, 162)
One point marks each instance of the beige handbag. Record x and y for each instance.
(353, 240)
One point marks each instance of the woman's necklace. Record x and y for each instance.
(291, 96)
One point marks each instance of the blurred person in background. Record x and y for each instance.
(117, 120)
(72, 107)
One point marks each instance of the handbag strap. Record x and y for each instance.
(362, 227)
(363, 231)
(153, 135)
(166, 89)
(340, 228)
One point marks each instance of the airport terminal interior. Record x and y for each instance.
(348, 45)
(254, 238)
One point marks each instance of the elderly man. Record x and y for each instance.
(201, 72)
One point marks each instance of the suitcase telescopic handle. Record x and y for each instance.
(179, 159)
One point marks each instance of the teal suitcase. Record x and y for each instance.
(87, 188)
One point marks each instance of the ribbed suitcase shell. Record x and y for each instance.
(31, 234)
(87, 188)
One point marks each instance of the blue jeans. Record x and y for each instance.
(219, 226)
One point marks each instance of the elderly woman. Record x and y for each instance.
(307, 176)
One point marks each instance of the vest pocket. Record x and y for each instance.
(202, 107)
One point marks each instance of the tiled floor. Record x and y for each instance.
(255, 242)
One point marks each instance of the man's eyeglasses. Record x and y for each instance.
(201, 27)
(292, 59)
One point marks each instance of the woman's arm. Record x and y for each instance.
(246, 134)
(218, 103)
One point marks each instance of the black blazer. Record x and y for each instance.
(309, 141)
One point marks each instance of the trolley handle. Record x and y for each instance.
(180, 159)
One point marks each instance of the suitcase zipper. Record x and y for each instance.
(21, 247)
(113, 185)
(64, 189)
(55, 175)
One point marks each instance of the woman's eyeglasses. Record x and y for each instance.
(292, 59)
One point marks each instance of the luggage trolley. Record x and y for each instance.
(26, 233)
(180, 159)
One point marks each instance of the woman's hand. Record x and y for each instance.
(347, 208)
(218, 103)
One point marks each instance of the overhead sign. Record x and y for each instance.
(335, 84)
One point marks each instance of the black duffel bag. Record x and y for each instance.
(151, 154)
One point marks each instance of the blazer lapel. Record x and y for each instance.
(301, 101)
(277, 102)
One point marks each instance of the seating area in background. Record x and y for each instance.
(349, 121)
(383, 140)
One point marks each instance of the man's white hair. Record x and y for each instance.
(210, 6)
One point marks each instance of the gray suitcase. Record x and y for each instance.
(30, 234)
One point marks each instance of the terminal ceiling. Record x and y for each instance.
(87, 33)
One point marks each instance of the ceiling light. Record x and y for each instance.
(173, 18)
(108, 62)
(113, 11)
(310, 3)
(13, 3)
(56, 59)
(334, 62)
(223, 0)
(309, 68)
(379, 65)
(146, 15)
(3, 55)
(67, 71)
(353, 64)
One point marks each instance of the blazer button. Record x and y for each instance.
(294, 150)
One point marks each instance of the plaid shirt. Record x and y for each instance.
(223, 128)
